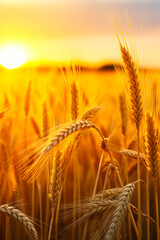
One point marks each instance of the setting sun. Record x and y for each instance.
(12, 56)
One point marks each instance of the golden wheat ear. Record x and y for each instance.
(34, 171)
(91, 112)
(21, 218)
(152, 150)
(152, 146)
(120, 212)
(136, 112)
(74, 103)
(134, 88)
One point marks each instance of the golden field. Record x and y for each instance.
(39, 104)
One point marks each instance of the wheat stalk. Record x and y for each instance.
(21, 218)
(45, 121)
(74, 113)
(28, 98)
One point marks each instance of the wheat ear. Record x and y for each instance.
(152, 146)
(134, 89)
(90, 113)
(21, 218)
(129, 153)
(152, 150)
(38, 166)
(93, 206)
(72, 128)
(55, 180)
(120, 212)
(136, 110)
(74, 104)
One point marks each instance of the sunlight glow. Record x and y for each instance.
(12, 56)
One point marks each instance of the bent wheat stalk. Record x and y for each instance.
(21, 218)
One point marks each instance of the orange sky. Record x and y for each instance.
(62, 30)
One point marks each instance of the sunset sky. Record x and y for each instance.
(63, 30)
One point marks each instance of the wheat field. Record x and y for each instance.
(80, 152)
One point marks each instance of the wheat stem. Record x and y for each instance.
(139, 187)
(94, 192)
(148, 206)
(57, 214)
(51, 223)
(157, 208)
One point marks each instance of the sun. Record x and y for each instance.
(12, 56)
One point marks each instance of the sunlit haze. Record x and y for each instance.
(64, 30)
(12, 56)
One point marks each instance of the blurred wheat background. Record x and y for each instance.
(79, 117)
